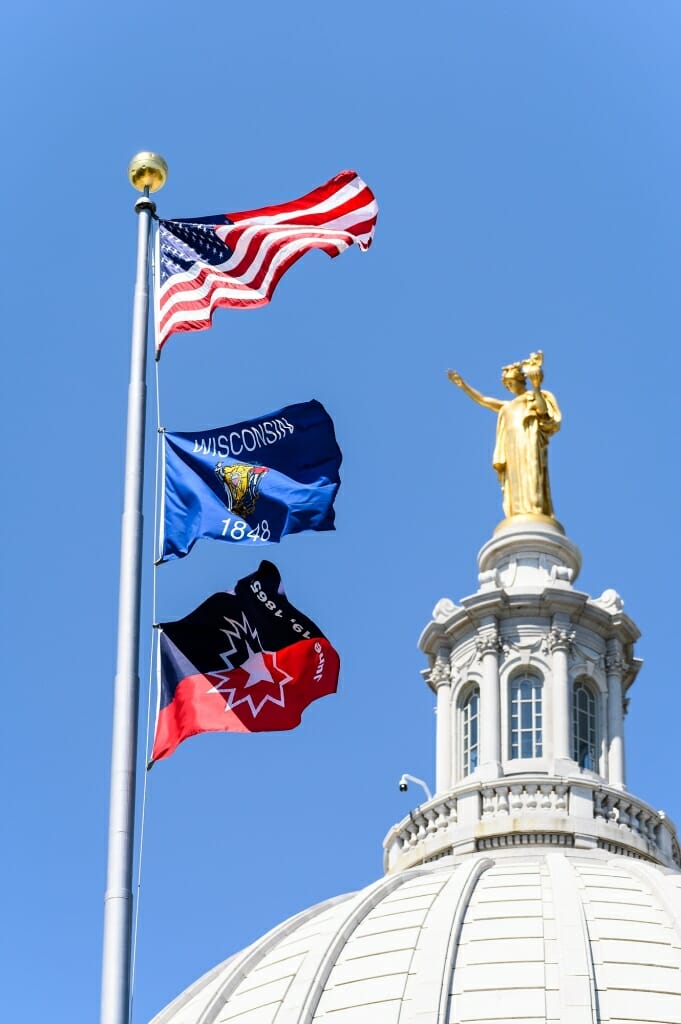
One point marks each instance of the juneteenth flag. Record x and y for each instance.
(243, 661)
(252, 482)
(237, 259)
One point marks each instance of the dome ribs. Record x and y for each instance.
(432, 969)
(499, 971)
(245, 962)
(634, 939)
(310, 982)
(572, 957)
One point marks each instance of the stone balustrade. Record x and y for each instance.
(427, 821)
(627, 813)
(519, 809)
(523, 798)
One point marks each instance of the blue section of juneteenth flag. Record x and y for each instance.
(252, 482)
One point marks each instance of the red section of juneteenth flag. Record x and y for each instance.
(269, 692)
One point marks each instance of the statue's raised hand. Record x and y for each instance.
(455, 377)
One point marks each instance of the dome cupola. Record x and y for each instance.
(531, 678)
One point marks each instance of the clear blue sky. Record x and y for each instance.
(527, 162)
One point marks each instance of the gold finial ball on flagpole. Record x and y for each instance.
(147, 171)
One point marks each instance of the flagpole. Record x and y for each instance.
(147, 173)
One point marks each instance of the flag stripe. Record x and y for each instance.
(324, 193)
(219, 289)
(249, 251)
(211, 287)
(261, 245)
(347, 200)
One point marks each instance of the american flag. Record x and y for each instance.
(237, 259)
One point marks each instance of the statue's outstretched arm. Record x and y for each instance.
(488, 403)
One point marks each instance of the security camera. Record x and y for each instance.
(403, 784)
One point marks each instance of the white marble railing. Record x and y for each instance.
(524, 798)
(427, 821)
(627, 814)
(630, 815)
(593, 814)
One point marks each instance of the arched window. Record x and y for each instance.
(526, 716)
(470, 716)
(584, 726)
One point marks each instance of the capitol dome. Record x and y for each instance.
(532, 887)
(539, 934)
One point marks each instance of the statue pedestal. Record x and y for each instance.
(529, 519)
(528, 550)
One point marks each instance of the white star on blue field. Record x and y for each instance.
(182, 244)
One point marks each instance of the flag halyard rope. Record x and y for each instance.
(153, 649)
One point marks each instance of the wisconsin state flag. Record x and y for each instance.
(252, 482)
(243, 661)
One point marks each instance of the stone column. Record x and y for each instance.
(560, 639)
(487, 643)
(614, 667)
(441, 680)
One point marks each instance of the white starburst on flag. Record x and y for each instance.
(236, 632)
(257, 671)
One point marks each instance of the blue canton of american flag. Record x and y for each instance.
(237, 259)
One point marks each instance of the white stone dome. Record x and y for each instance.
(516, 935)
(532, 886)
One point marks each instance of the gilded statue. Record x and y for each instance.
(524, 425)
